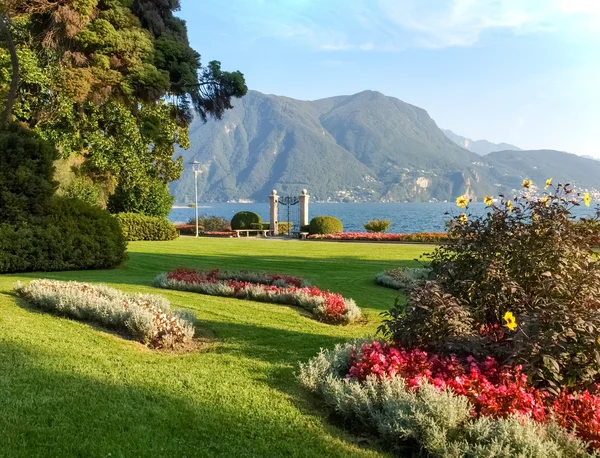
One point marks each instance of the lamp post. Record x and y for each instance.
(197, 171)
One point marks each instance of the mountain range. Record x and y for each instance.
(481, 147)
(360, 148)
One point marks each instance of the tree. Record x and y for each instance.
(14, 61)
(114, 84)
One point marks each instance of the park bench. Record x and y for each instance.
(264, 232)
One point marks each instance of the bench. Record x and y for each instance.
(265, 233)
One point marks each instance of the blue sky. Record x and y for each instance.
(525, 72)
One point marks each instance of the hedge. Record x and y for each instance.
(141, 227)
(325, 225)
(73, 236)
(245, 220)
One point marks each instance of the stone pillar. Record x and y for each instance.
(303, 202)
(274, 213)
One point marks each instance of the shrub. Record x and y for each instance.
(74, 235)
(141, 227)
(379, 225)
(150, 198)
(305, 228)
(325, 225)
(426, 420)
(26, 174)
(280, 289)
(525, 282)
(403, 278)
(83, 188)
(245, 220)
(145, 317)
(211, 223)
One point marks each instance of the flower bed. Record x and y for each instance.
(145, 317)
(281, 289)
(421, 237)
(402, 278)
(448, 407)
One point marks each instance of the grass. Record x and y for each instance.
(70, 389)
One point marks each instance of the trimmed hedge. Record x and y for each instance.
(141, 227)
(73, 236)
(325, 225)
(245, 220)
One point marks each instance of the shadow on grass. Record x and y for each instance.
(64, 413)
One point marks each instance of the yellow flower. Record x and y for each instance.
(463, 219)
(462, 201)
(535, 217)
(510, 206)
(511, 321)
(587, 199)
(488, 200)
(527, 183)
(598, 340)
(548, 183)
(545, 201)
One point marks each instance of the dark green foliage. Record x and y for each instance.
(325, 225)
(141, 227)
(83, 188)
(72, 236)
(380, 225)
(245, 220)
(151, 199)
(305, 228)
(530, 258)
(26, 173)
(211, 223)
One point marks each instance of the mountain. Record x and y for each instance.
(481, 147)
(362, 147)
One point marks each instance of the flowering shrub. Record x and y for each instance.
(282, 289)
(527, 266)
(146, 317)
(423, 419)
(423, 237)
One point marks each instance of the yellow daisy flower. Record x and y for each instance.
(462, 201)
(488, 200)
(463, 219)
(527, 183)
(511, 321)
(510, 206)
(587, 199)
(544, 200)
(548, 183)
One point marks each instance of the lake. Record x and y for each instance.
(405, 217)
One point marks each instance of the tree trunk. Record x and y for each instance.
(14, 60)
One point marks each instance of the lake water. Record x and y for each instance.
(405, 217)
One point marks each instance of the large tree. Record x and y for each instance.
(113, 82)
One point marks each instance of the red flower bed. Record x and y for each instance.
(219, 234)
(269, 287)
(492, 389)
(427, 237)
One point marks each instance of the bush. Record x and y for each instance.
(73, 236)
(26, 174)
(141, 227)
(325, 225)
(245, 220)
(427, 421)
(379, 225)
(524, 281)
(404, 278)
(146, 317)
(150, 198)
(210, 223)
(83, 188)
(305, 228)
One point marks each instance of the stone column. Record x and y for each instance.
(303, 202)
(274, 213)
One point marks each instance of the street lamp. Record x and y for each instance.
(197, 171)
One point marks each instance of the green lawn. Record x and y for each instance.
(69, 389)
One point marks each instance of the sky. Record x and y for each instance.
(525, 72)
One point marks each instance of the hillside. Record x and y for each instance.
(481, 147)
(363, 147)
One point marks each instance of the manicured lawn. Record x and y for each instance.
(69, 389)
